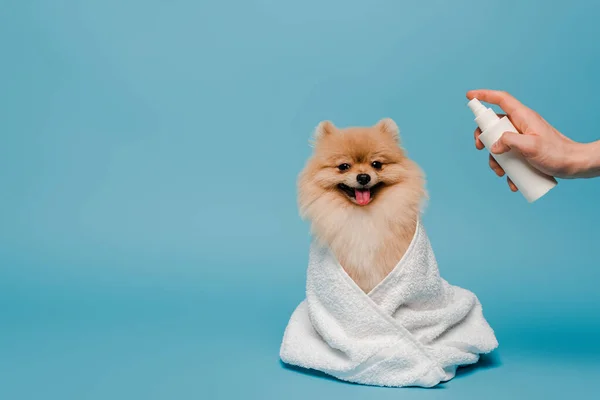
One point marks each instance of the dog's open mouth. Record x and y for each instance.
(361, 196)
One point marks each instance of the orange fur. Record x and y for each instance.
(367, 240)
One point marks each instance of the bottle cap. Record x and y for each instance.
(484, 116)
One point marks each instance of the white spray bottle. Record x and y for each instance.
(532, 183)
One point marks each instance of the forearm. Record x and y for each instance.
(587, 160)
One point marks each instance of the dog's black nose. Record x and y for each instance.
(363, 179)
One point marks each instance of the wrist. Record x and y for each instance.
(586, 160)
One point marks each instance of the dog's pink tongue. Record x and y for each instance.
(362, 196)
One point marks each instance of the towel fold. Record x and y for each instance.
(413, 329)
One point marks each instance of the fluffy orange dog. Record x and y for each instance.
(363, 197)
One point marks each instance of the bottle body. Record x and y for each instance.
(532, 183)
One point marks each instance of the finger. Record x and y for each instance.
(478, 143)
(527, 145)
(496, 167)
(512, 186)
(502, 99)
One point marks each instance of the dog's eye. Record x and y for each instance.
(343, 167)
(376, 165)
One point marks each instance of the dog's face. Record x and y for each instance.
(356, 165)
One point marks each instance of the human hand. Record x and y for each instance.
(538, 142)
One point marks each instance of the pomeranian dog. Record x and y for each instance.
(363, 197)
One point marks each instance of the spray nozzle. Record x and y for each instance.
(476, 106)
(484, 117)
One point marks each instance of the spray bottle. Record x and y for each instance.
(531, 182)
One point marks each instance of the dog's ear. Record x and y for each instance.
(387, 125)
(323, 129)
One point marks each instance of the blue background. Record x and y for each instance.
(149, 240)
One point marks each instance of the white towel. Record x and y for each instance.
(413, 329)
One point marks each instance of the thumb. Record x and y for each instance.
(524, 144)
